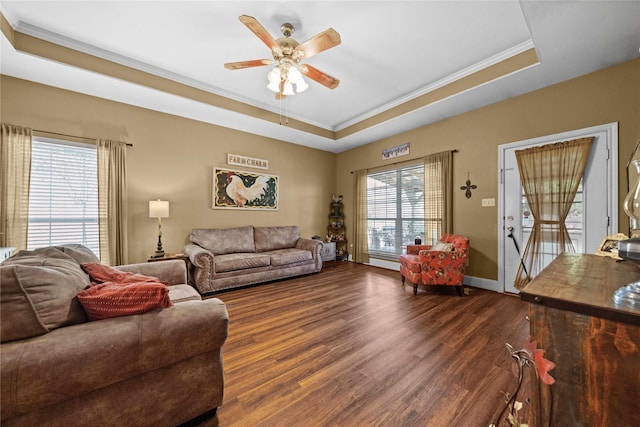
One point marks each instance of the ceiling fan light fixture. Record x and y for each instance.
(294, 74)
(301, 86)
(287, 54)
(288, 89)
(274, 86)
(274, 75)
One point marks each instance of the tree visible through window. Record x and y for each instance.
(63, 196)
(395, 206)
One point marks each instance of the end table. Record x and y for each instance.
(328, 252)
(168, 257)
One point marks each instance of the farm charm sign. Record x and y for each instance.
(250, 162)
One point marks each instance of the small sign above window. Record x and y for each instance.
(397, 151)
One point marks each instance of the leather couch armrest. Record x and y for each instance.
(199, 256)
(174, 271)
(74, 360)
(203, 266)
(315, 246)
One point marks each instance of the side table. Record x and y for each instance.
(328, 252)
(168, 257)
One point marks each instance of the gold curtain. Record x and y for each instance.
(15, 178)
(112, 201)
(438, 185)
(361, 241)
(550, 177)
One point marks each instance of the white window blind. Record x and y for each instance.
(395, 210)
(63, 196)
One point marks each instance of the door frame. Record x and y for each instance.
(607, 131)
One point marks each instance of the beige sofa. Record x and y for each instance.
(160, 368)
(229, 258)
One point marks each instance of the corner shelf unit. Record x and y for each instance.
(336, 231)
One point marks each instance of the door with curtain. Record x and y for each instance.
(592, 216)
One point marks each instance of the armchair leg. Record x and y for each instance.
(415, 289)
(402, 277)
(460, 290)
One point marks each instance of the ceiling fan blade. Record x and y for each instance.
(253, 24)
(319, 43)
(317, 75)
(247, 64)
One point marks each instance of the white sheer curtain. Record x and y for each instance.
(550, 176)
(15, 172)
(112, 201)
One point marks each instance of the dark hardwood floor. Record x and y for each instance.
(351, 347)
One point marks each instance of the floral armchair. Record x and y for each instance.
(441, 264)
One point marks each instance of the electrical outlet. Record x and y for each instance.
(488, 202)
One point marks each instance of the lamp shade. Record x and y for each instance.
(158, 209)
(288, 89)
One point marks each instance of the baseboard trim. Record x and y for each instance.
(482, 283)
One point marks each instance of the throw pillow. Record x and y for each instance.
(38, 293)
(443, 247)
(107, 300)
(224, 240)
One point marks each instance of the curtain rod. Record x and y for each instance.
(409, 160)
(73, 136)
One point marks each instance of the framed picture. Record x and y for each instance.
(609, 246)
(235, 189)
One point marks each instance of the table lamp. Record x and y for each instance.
(159, 209)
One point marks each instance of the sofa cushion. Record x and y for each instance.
(182, 293)
(242, 261)
(289, 256)
(270, 238)
(38, 292)
(224, 240)
(109, 299)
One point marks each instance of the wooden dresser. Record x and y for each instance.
(594, 343)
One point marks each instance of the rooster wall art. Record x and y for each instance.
(244, 190)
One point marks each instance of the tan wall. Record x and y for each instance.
(610, 95)
(172, 159)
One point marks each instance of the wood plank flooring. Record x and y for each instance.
(351, 347)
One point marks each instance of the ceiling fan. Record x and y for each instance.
(287, 55)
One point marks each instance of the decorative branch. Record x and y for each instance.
(530, 355)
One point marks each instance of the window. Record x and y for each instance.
(63, 196)
(395, 210)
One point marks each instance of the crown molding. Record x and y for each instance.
(486, 63)
(68, 42)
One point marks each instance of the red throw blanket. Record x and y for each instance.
(115, 293)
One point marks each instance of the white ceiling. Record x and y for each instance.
(391, 52)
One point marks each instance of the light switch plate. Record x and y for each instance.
(488, 202)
